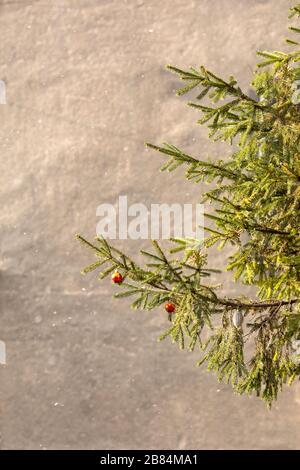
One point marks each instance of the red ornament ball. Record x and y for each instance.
(117, 278)
(169, 307)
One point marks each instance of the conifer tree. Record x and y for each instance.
(255, 192)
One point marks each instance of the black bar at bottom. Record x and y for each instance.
(134, 459)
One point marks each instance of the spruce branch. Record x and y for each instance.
(255, 196)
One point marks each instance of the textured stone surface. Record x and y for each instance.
(86, 86)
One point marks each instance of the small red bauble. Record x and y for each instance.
(169, 307)
(117, 277)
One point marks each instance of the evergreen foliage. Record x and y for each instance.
(255, 192)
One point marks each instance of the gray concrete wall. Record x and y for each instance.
(86, 86)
